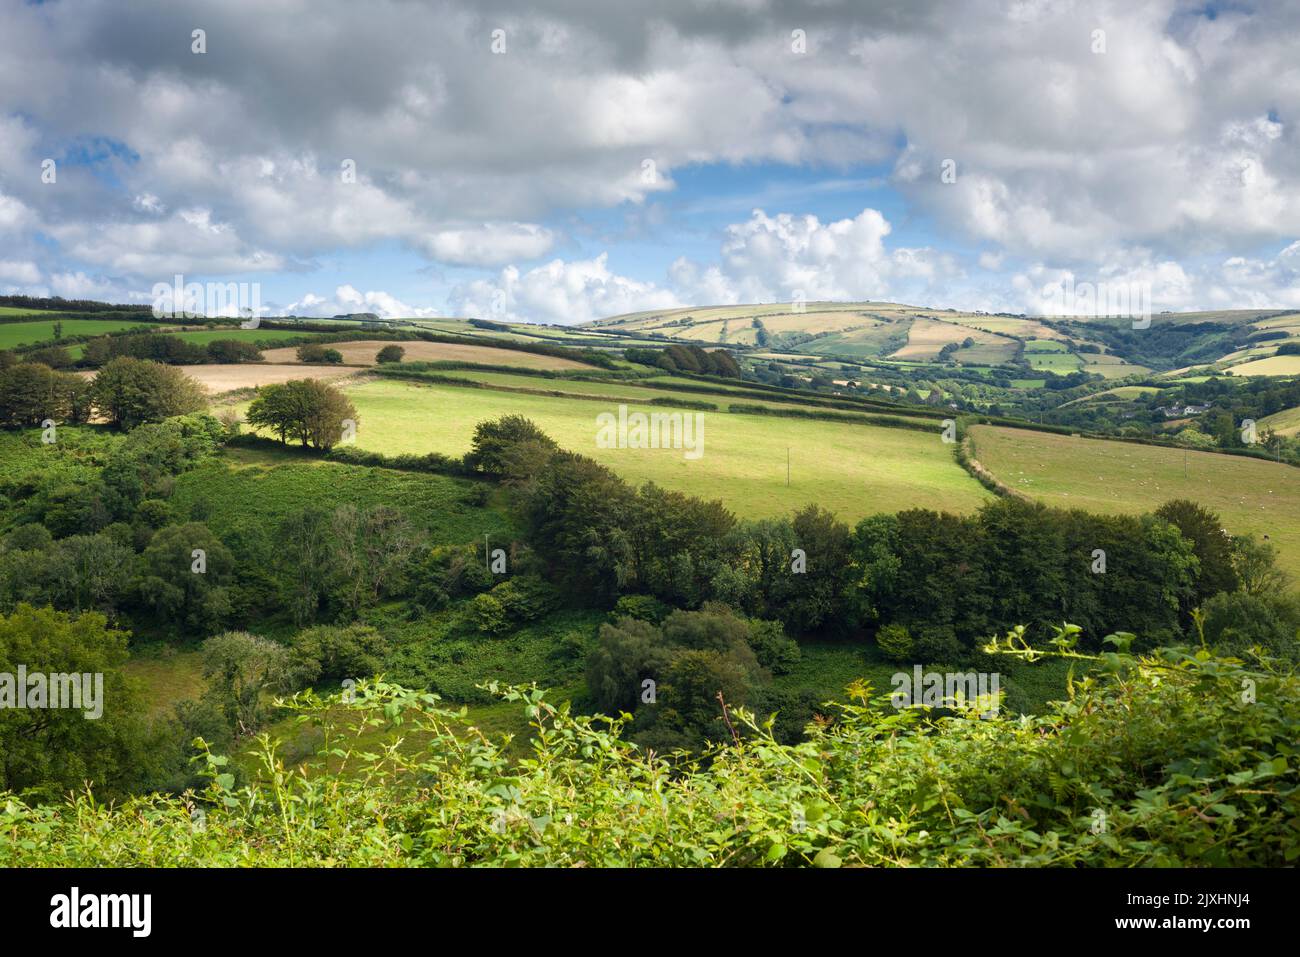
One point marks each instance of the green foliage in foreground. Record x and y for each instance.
(1166, 760)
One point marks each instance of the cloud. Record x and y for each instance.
(763, 259)
(558, 292)
(19, 272)
(787, 257)
(347, 299)
(490, 244)
(77, 285)
(1176, 139)
(189, 241)
(14, 215)
(1237, 282)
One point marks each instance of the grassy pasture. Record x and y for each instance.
(1119, 392)
(24, 333)
(869, 341)
(262, 489)
(642, 390)
(1250, 495)
(655, 318)
(1286, 422)
(851, 469)
(167, 678)
(1058, 362)
(1045, 345)
(1110, 366)
(240, 335)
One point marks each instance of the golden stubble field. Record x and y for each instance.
(364, 352)
(247, 375)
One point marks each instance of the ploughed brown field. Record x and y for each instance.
(364, 352)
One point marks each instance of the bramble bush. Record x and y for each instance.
(1175, 758)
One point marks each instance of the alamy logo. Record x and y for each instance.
(181, 300)
(1100, 300)
(38, 691)
(658, 430)
(936, 689)
(103, 910)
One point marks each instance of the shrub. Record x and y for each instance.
(511, 447)
(390, 353)
(316, 353)
(31, 392)
(1235, 622)
(488, 614)
(937, 643)
(1128, 742)
(775, 651)
(643, 607)
(129, 392)
(233, 350)
(244, 671)
(56, 357)
(895, 642)
(333, 653)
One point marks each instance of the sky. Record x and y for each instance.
(566, 160)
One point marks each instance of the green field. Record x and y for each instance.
(241, 335)
(640, 390)
(851, 469)
(1062, 363)
(1250, 495)
(1045, 345)
(263, 488)
(24, 333)
(1286, 422)
(167, 676)
(1119, 392)
(1109, 366)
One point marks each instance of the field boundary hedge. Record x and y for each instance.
(862, 418)
(435, 379)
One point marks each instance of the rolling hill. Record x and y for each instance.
(904, 335)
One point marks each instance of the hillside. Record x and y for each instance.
(786, 546)
(917, 337)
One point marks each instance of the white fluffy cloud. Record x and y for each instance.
(189, 241)
(347, 299)
(790, 257)
(77, 285)
(764, 259)
(559, 292)
(490, 244)
(1170, 144)
(14, 271)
